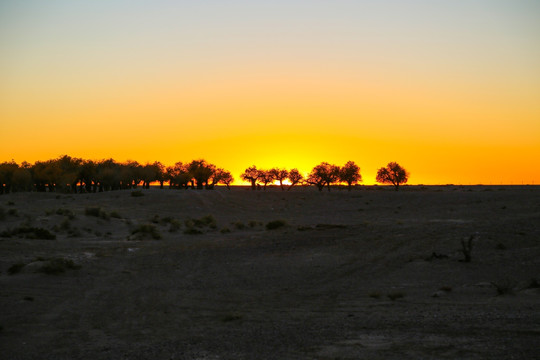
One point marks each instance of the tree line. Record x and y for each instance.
(75, 175)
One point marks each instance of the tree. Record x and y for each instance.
(294, 177)
(178, 175)
(279, 175)
(393, 174)
(251, 174)
(223, 177)
(7, 170)
(201, 171)
(323, 175)
(350, 173)
(266, 177)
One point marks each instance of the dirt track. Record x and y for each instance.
(318, 288)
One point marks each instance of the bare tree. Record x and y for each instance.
(350, 173)
(393, 174)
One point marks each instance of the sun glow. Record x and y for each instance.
(333, 82)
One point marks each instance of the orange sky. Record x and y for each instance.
(451, 92)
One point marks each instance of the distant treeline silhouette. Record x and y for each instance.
(74, 175)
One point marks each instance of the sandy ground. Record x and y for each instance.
(351, 276)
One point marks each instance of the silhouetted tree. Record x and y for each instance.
(7, 170)
(159, 168)
(350, 173)
(251, 174)
(223, 177)
(22, 179)
(279, 175)
(393, 174)
(266, 177)
(109, 175)
(201, 171)
(323, 175)
(178, 175)
(88, 176)
(294, 177)
(152, 172)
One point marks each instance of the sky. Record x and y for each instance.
(448, 89)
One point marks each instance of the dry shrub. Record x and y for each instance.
(276, 224)
(143, 231)
(57, 266)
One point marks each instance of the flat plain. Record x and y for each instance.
(301, 274)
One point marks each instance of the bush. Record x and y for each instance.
(15, 268)
(145, 231)
(395, 295)
(192, 231)
(253, 223)
(207, 220)
(29, 232)
(225, 230)
(96, 212)
(66, 212)
(504, 287)
(12, 212)
(137, 193)
(276, 224)
(239, 225)
(174, 226)
(115, 214)
(58, 266)
(2, 213)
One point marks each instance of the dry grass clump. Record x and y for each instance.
(96, 212)
(396, 295)
(206, 221)
(137, 193)
(195, 226)
(57, 266)
(66, 212)
(15, 268)
(174, 226)
(254, 223)
(533, 284)
(145, 231)
(2, 213)
(276, 224)
(238, 225)
(504, 287)
(29, 232)
(115, 214)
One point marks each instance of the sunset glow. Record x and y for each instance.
(449, 89)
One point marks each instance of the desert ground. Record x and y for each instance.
(187, 274)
